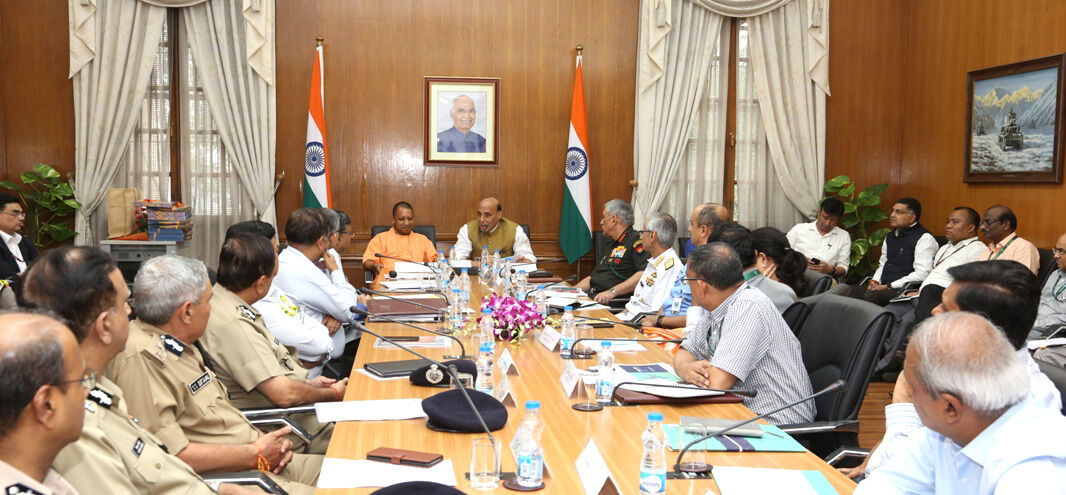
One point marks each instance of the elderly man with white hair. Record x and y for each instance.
(984, 434)
(664, 267)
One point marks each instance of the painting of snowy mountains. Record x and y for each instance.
(1013, 122)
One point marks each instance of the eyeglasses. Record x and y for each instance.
(88, 380)
(693, 279)
(16, 213)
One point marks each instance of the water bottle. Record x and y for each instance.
(451, 253)
(441, 261)
(483, 265)
(486, 334)
(464, 287)
(494, 268)
(569, 332)
(443, 276)
(455, 311)
(484, 382)
(521, 285)
(542, 303)
(653, 463)
(529, 454)
(605, 376)
(505, 277)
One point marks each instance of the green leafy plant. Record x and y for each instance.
(50, 204)
(860, 215)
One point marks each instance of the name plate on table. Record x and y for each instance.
(595, 477)
(506, 363)
(504, 394)
(549, 338)
(570, 379)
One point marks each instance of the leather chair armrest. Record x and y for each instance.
(247, 478)
(281, 421)
(273, 411)
(845, 452)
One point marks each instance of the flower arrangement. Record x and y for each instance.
(512, 319)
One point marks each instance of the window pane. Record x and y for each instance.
(148, 155)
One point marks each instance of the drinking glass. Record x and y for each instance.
(695, 460)
(586, 348)
(485, 464)
(466, 379)
(588, 383)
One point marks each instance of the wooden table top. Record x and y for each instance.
(616, 430)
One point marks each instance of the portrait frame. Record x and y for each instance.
(1014, 131)
(441, 132)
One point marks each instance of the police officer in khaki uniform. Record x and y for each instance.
(619, 271)
(114, 453)
(178, 398)
(255, 368)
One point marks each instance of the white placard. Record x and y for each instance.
(504, 394)
(570, 379)
(506, 363)
(595, 477)
(549, 338)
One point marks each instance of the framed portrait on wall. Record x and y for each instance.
(1014, 122)
(462, 121)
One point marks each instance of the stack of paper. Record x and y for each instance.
(409, 284)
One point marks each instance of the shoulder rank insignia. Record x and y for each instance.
(100, 397)
(20, 489)
(669, 264)
(638, 246)
(173, 345)
(247, 313)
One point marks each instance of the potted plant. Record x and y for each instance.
(50, 204)
(860, 215)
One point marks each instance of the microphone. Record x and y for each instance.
(451, 371)
(589, 353)
(733, 391)
(832, 387)
(579, 318)
(392, 273)
(369, 291)
(462, 348)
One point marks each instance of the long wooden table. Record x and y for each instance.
(616, 430)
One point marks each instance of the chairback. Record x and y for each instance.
(1047, 265)
(1056, 374)
(817, 283)
(429, 231)
(840, 339)
(795, 315)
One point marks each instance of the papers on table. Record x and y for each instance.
(461, 264)
(369, 410)
(409, 284)
(364, 372)
(528, 267)
(406, 267)
(772, 440)
(616, 345)
(347, 473)
(662, 371)
(562, 301)
(732, 480)
(426, 342)
(1036, 344)
(649, 387)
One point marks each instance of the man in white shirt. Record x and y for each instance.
(826, 246)
(664, 267)
(983, 434)
(491, 229)
(17, 251)
(307, 234)
(906, 255)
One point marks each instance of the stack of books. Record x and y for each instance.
(167, 221)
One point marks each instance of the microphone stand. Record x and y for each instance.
(832, 387)
(587, 354)
(462, 349)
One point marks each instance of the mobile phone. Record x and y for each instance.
(815, 261)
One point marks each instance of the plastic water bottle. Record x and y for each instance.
(569, 332)
(483, 265)
(484, 382)
(455, 311)
(521, 285)
(444, 276)
(505, 284)
(542, 303)
(451, 253)
(529, 454)
(653, 463)
(605, 375)
(494, 268)
(487, 330)
(441, 261)
(464, 287)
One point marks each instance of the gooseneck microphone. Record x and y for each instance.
(462, 348)
(832, 387)
(588, 354)
(368, 291)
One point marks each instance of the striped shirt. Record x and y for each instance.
(746, 337)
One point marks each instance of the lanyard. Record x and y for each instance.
(946, 256)
(1056, 289)
(751, 274)
(1004, 248)
(718, 327)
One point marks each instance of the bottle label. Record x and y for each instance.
(652, 482)
(603, 387)
(530, 467)
(566, 343)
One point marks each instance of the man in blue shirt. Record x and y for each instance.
(459, 138)
(984, 434)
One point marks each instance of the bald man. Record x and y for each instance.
(718, 215)
(491, 229)
(460, 137)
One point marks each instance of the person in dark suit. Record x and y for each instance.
(17, 251)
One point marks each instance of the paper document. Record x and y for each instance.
(409, 284)
(562, 301)
(733, 479)
(649, 387)
(1036, 344)
(347, 473)
(369, 410)
(664, 371)
(616, 346)
(528, 267)
(426, 342)
(408, 267)
(462, 264)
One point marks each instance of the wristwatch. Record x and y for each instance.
(612, 291)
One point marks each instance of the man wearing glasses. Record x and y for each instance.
(1051, 314)
(740, 339)
(41, 401)
(998, 226)
(18, 251)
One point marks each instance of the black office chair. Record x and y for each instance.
(1056, 374)
(940, 240)
(839, 339)
(1047, 265)
(796, 314)
(682, 245)
(525, 228)
(817, 283)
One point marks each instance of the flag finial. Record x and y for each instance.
(319, 40)
(580, 49)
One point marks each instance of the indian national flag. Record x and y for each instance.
(575, 230)
(316, 160)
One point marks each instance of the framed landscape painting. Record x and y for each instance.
(461, 121)
(1014, 122)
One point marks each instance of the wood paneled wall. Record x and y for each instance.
(919, 99)
(376, 54)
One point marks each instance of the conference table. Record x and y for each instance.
(615, 430)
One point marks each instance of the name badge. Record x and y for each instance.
(199, 383)
(20, 489)
(138, 447)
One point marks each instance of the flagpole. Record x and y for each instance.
(579, 50)
(319, 40)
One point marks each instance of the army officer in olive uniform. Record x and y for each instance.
(114, 454)
(178, 399)
(619, 271)
(256, 369)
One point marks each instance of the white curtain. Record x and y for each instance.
(108, 91)
(672, 70)
(792, 103)
(759, 199)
